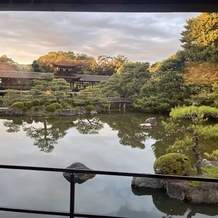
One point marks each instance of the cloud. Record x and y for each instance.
(25, 36)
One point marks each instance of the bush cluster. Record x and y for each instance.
(35, 102)
(173, 164)
(28, 104)
(53, 107)
(89, 107)
(65, 105)
(18, 105)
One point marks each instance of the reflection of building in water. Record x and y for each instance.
(13, 79)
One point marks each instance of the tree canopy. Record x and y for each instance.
(44, 63)
(44, 89)
(128, 82)
(201, 31)
(200, 38)
(165, 89)
(105, 65)
(194, 129)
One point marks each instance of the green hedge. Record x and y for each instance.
(89, 107)
(173, 164)
(65, 104)
(53, 107)
(18, 105)
(35, 102)
(28, 104)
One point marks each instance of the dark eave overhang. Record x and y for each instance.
(110, 5)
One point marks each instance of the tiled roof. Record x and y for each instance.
(18, 74)
(6, 66)
(64, 63)
(35, 75)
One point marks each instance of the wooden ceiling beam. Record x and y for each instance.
(110, 5)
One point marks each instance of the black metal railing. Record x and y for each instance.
(71, 212)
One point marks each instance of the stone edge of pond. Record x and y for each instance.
(63, 112)
(181, 189)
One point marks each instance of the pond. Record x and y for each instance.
(110, 142)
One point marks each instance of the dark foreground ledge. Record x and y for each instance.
(110, 5)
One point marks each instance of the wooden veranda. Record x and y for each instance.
(20, 80)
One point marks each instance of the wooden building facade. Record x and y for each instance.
(12, 79)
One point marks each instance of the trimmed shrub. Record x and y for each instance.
(57, 105)
(19, 105)
(89, 107)
(173, 164)
(35, 102)
(28, 104)
(65, 104)
(53, 107)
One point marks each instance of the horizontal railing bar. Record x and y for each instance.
(54, 213)
(112, 173)
(34, 211)
(96, 216)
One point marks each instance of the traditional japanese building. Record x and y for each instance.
(10, 78)
(64, 67)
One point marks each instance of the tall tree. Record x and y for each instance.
(85, 64)
(111, 88)
(35, 66)
(111, 65)
(60, 89)
(132, 77)
(41, 89)
(201, 31)
(128, 82)
(6, 59)
(90, 95)
(45, 62)
(165, 89)
(200, 38)
(107, 65)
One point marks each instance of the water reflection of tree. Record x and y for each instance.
(128, 131)
(13, 125)
(90, 125)
(162, 139)
(45, 131)
(127, 126)
(49, 133)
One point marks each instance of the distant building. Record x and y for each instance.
(13, 79)
(65, 69)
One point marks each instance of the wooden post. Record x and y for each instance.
(124, 107)
(109, 107)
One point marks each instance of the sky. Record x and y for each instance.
(142, 37)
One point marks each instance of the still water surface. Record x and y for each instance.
(110, 142)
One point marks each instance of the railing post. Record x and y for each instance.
(72, 195)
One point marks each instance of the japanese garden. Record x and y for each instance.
(62, 93)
